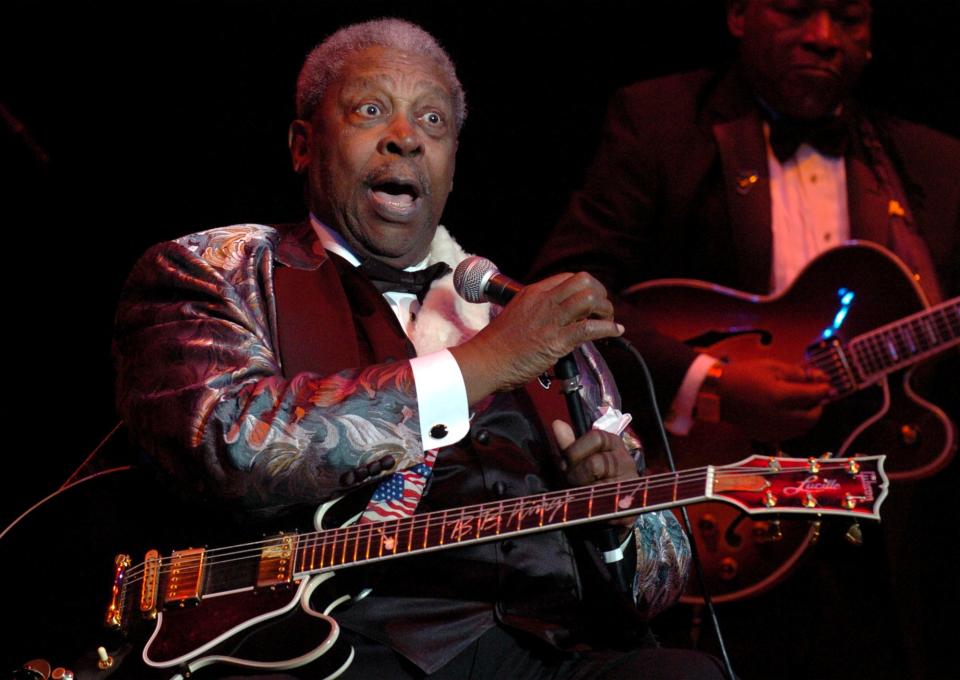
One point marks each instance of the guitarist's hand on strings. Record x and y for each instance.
(543, 322)
(771, 400)
(594, 458)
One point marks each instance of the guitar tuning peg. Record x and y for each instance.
(854, 535)
(815, 525)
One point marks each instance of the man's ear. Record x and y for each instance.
(736, 9)
(298, 140)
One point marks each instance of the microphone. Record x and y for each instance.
(477, 279)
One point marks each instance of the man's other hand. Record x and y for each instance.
(594, 458)
(771, 400)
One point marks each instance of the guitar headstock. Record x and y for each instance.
(854, 487)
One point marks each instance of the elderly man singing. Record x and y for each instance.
(270, 367)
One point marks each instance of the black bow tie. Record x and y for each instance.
(829, 136)
(389, 279)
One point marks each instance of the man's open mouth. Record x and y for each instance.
(395, 199)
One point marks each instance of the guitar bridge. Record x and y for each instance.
(114, 618)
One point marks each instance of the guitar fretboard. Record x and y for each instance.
(906, 341)
(368, 542)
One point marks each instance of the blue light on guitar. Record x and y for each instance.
(846, 299)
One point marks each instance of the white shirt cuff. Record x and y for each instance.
(442, 398)
(680, 419)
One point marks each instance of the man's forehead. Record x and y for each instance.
(384, 67)
(825, 4)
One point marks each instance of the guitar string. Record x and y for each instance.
(341, 538)
(875, 341)
(345, 542)
(571, 496)
(937, 316)
(873, 353)
(871, 349)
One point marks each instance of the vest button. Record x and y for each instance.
(500, 489)
(482, 437)
(507, 546)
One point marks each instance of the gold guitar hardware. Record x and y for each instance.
(854, 534)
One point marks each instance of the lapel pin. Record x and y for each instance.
(745, 182)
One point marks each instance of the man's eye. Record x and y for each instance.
(792, 9)
(853, 18)
(371, 110)
(432, 118)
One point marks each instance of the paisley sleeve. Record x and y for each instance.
(663, 561)
(200, 387)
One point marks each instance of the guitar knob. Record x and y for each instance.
(728, 568)
(708, 526)
(38, 669)
(61, 674)
(909, 434)
(854, 535)
(767, 532)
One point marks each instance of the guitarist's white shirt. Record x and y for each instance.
(808, 202)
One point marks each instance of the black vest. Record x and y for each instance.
(429, 607)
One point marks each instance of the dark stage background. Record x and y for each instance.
(130, 123)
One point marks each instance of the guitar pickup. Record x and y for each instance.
(150, 585)
(185, 577)
(276, 561)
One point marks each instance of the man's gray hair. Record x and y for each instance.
(326, 60)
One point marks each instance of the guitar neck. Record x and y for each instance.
(757, 485)
(369, 542)
(891, 347)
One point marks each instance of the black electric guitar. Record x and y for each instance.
(856, 313)
(255, 604)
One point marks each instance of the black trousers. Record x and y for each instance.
(499, 654)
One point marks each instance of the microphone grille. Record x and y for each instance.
(471, 276)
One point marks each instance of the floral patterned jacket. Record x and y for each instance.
(202, 390)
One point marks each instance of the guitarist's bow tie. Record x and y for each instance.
(829, 136)
(389, 279)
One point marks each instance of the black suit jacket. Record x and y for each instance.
(679, 188)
